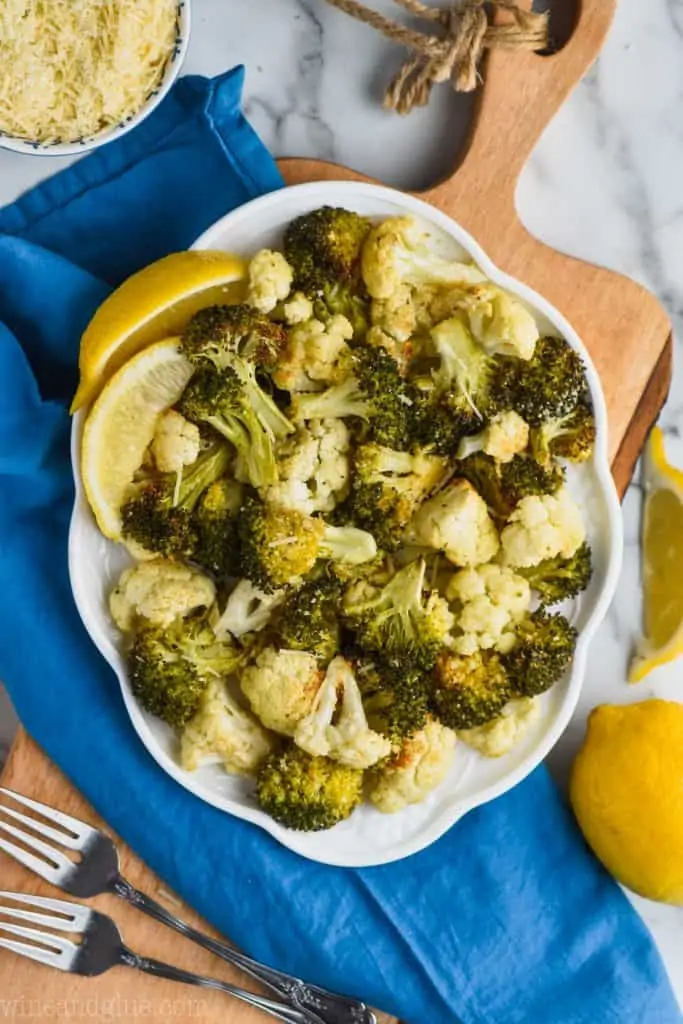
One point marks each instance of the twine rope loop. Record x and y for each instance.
(452, 48)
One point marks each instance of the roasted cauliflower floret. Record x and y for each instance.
(298, 309)
(316, 354)
(498, 737)
(542, 526)
(247, 610)
(396, 315)
(314, 467)
(281, 687)
(176, 442)
(456, 521)
(498, 321)
(269, 280)
(398, 252)
(224, 733)
(506, 436)
(415, 770)
(488, 601)
(337, 726)
(159, 591)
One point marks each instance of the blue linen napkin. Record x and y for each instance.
(508, 918)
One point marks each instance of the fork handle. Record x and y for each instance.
(318, 1005)
(280, 1011)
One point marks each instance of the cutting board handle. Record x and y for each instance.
(521, 93)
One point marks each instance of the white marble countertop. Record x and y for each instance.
(603, 184)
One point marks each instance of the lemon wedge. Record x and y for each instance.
(662, 560)
(121, 425)
(153, 304)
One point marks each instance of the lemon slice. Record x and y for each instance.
(662, 561)
(121, 425)
(153, 304)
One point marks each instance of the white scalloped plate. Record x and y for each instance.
(369, 838)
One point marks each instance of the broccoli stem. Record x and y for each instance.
(201, 474)
(345, 399)
(347, 544)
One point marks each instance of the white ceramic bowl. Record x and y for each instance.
(171, 72)
(370, 838)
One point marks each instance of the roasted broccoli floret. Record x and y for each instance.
(550, 385)
(438, 426)
(170, 668)
(388, 486)
(398, 251)
(374, 391)
(544, 649)
(278, 546)
(159, 513)
(324, 248)
(307, 793)
(503, 485)
(395, 698)
(215, 336)
(468, 387)
(308, 620)
(402, 621)
(469, 690)
(570, 437)
(557, 579)
(466, 373)
(215, 522)
(232, 402)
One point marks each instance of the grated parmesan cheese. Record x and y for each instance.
(71, 68)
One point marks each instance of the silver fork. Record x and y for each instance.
(97, 871)
(99, 947)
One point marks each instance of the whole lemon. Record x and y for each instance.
(626, 789)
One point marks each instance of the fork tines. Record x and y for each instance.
(46, 947)
(44, 855)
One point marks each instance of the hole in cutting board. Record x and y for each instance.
(563, 17)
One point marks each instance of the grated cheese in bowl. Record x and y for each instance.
(70, 69)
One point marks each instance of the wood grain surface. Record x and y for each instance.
(29, 991)
(628, 335)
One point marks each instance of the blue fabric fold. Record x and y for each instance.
(508, 918)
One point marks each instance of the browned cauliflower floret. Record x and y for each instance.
(281, 687)
(506, 436)
(314, 467)
(224, 733)
(159, 591)
(456, 521)
(542, 526)
(489, 601)
(415, 770)
(270, 279)
(337, 726)
(498, 737)
(316, 355)
(176, 442)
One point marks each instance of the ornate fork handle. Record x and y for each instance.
(317, 1005)
(280, 1011)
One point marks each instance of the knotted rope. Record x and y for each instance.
(453, 50)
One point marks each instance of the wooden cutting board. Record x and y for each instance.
(629, 337)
